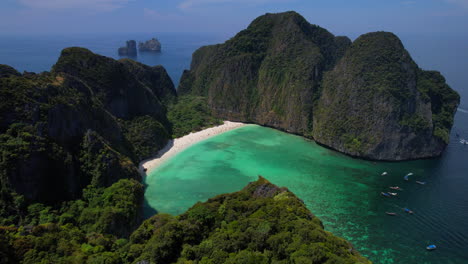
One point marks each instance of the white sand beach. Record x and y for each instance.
(179, 144)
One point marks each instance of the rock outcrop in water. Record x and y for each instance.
(367, 98)
(152, 45)
(129, 50)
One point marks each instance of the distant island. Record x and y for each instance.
(129, 49)
(152, 45)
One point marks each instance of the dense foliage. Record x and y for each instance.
(89, 230)
(260, 224)
(267, 73)
(377, 103)
(77, 126)
(146, 135)
(190, 114)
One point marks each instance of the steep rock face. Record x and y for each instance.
(152, 45)
(129, 50)
(377, 103)
(75, 126)
(267, 74)
(155, 78)
(368, 98)
(111, 82)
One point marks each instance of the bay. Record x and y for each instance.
(345, 193)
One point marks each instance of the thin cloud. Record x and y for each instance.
(408, 3)
(187, 4)
(463, 3)
(155, 15)
(97, 5)
(192, 3)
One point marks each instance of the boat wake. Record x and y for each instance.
(462, 110)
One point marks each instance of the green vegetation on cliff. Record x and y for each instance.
(88, 122)
(444, 101)
(366, 98)
(190, 114)
(88, 230)
(376, 103)
(260, 224)
(267, 73)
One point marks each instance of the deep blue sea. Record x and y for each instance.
(442, 204)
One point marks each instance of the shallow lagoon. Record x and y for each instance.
(343, 192)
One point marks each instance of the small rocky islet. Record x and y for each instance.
(71, 140)
(129, 50)
(152, 45)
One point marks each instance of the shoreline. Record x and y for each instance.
(174, 146)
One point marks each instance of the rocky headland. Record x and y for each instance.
(366, 98)
(79, 125)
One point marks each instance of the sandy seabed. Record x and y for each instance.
(179, 144)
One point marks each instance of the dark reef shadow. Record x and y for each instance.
(148, 211)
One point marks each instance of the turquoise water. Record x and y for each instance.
(343, 192)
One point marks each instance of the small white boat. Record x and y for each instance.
(394, 194)
(384, 173)
(409, 174)
(431, 247)
(463, 141)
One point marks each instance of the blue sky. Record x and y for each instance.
(350, 17)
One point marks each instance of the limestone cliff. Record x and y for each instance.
(75, 126)
(268, 73)
(377, 103)
(368, 98)
(156, 78)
